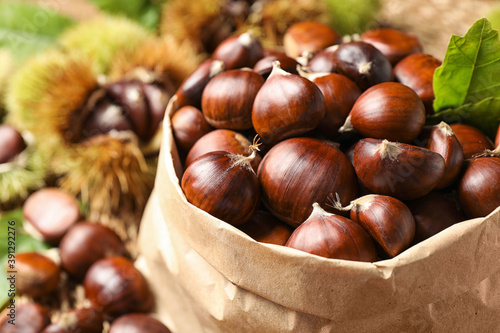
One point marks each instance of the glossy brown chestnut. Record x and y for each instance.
(332, 236)
(77, 321)
(188, 125)
(224, 185)
(363, 64)
(433, 213)
(323, 61)
(224, 140)
(310, 37)
(387, 220)
(26, 318)
(389, 111)
(11, 143)
(300, 171)
(394, 44)
(228, 99)
(49, 213)
(473, 141)
(265, 228)
(340, 95)
(138, 323)
(239, 51)
(479, 187)
(441, 139)
(287, 105)
(85, 243)
(264, 66)
(114, 286)
(37, 275)
(417, 72)
(400, 170)
(191, 89)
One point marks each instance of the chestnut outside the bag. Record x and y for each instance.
(208, 276)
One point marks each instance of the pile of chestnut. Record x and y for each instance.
(116, 296)
(323, 146)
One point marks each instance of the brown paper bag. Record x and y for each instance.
(210, 277)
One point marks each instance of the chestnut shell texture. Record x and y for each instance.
(298, 172)
(224, 185)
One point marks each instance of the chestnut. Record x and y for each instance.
(37, 275)
(225, 140)
(137, 323)
(11, 143)
(287, 105)
(400, 170)
(340, 95)
(191, 89)
(472, 140)
(188, 125)
(323, 61)
(307, 36)
(497, 138)
(388, 220)
(265, 228)
(114, 286)
(417, 72)
(479, 187)
(26, 318)
(49, 213)
(224, 185)
(389, 111)
(433, 213)
(311, 167)
(228, 98)
(441, 139)
(394, 44)
(86, 320)
(362, 63)
(332, 236)
(85, 243)
(239, 51)
(264, 66)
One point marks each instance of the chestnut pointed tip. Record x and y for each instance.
(217, 67)
(390, 150)
(277, 70)
(445, 129)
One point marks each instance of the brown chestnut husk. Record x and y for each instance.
(86, 320)
(224, 185)
(311, 167)
(239, 51)
(114, 286)
(29, 317)
(85, 243)
(137, 323)
(396, 169)
(441, 139)
(332, 236)
(308, 36)
(37, 275)
(479, 187)
(388, 220)
(433, 213)
(417, 72)
(394, 44)
(49, 213)
(472, 140)
(389, 111)
(363, 64)
(228, 99)
(287, 105)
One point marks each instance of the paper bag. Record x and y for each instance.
(210, 277)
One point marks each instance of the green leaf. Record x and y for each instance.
(484, 115)
(28, 29)
(146, 12)
(471, 68)
(13, 221)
